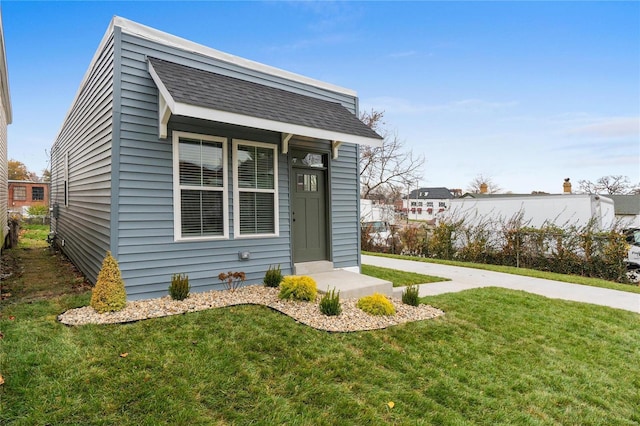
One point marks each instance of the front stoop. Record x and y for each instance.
(308, 268)
(350, 284)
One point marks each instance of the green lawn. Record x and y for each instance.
(33, 236)
(399, 278)
(496, 357)
(576, 279)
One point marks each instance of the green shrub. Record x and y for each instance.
(330, 303)
(109, 294)
(376, 304)
(179, 288)
(410, 295)
(273, 277)
(39, 210)
(298, 288)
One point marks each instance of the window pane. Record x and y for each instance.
(255, 167)
(201, 213)
(200, 163)
(257, 213)
(20, 193)
(37, 193)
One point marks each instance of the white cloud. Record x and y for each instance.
(404, 54)
(614, 127)
(406, 106)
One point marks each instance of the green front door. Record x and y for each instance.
(309, 215)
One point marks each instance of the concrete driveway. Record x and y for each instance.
(467, 278)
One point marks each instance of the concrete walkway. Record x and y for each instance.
(467, 278)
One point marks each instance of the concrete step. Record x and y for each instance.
(307, 268)
(350, 284)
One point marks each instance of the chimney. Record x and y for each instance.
(484, 188)
(566, 186)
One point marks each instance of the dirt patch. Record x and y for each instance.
(30, 274)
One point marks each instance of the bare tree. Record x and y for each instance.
(386, 170)
(612, 184)
(476, 183)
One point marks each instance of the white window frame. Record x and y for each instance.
(237, 190)
(177, 188)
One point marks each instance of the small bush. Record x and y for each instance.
(330, 303)
(410, 295)
(109, 294)
(376, 304)
(298, 288)
(273, 277)
(38, 210)
(179, 288)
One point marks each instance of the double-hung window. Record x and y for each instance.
(200, 186)
(255, 173)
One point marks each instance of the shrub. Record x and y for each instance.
(109, 294)
(179, 288)
(376, 304)
(39, 210)
(410, 295)
(298, 288)
(330, 303)
(273, 277)
(232, 280)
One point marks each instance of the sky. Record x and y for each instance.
(526, 93)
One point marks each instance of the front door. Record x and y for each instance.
(309, 214)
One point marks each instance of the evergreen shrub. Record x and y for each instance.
(330, 303)
(273, 277)
(109, 294)
(376, 304)
(410, 295)
(179, 288)
(298, 288)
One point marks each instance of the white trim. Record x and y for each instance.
(236, 190)
(142, 31)
(285, 137)
(334, 149)
(177, 211)
(4, 77)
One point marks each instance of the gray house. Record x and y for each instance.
(5, 120)
(179, 158)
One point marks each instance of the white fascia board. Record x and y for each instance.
(166, 39)
(276, 126)
(166, 104)
(4, 74)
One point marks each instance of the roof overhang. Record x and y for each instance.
(168, 106)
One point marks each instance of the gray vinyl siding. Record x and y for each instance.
(4, 201)
(86, 138)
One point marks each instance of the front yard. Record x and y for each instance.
(496, 357)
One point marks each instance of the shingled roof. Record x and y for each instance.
(232, 100)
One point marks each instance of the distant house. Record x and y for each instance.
(426, 203)
(627, 210)
(25, 193)
(179, 158)
(5, 120)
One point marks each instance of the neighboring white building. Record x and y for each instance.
(537, 210)
(426, 203)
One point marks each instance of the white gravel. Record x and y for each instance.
(351, 318)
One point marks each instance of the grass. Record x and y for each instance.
(576, 279)
(33, 236)
(399, 278)
(497, 357)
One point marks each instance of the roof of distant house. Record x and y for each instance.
(625, 204)
(438, 193)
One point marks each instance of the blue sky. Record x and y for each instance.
(527, 93)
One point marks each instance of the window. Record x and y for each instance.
(255, 173)
(20, 193)
(200, 186)
(37, 193)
